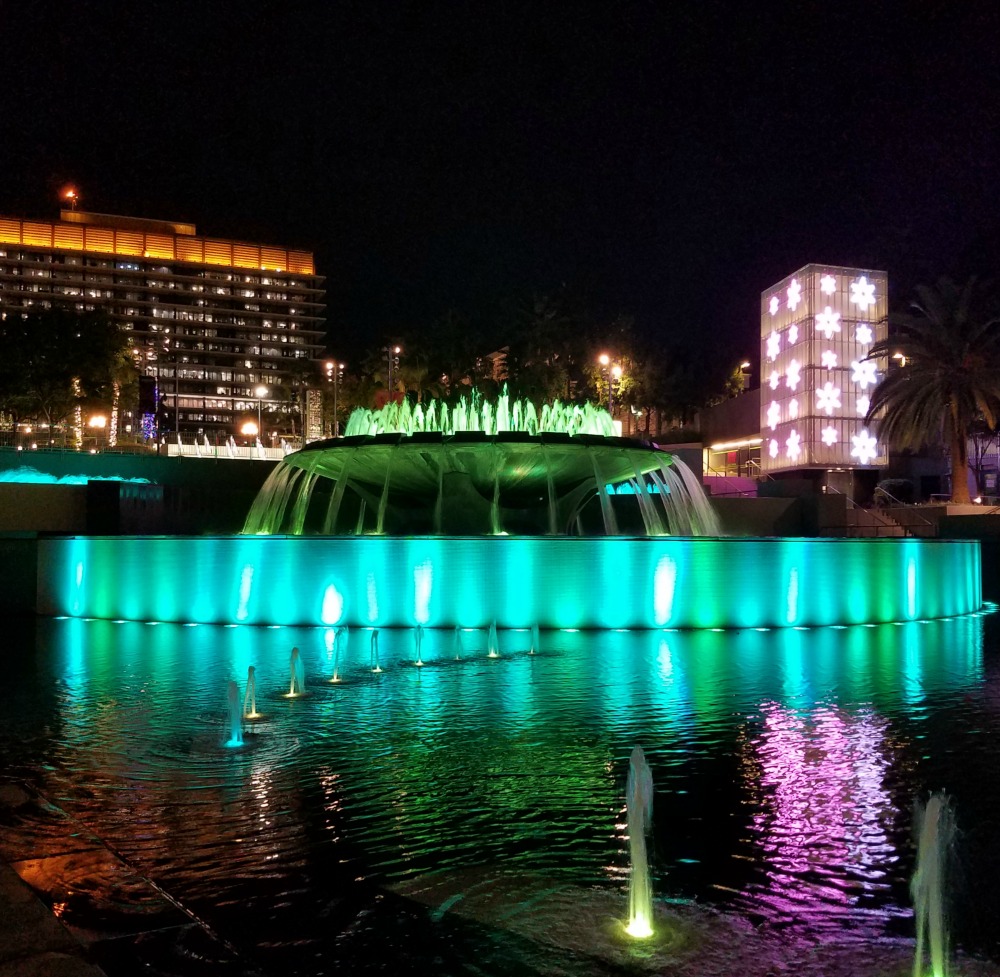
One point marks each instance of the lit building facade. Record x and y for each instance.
(211, 322)
(816, 327)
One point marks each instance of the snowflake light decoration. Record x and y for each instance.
(828, 284)
(793, 377)
(772, 448)
(864, 372)
(774, 379)
(829, 359)
(773, 345)
(828, 322)
(829, 436)
(863, 334)
(774, 305)
(795, 294)
(863, 403)
(773, 415)
(793, 335)
(792, 445)
(793, 408)
(828, 398)
(865, 448)
(863, 293)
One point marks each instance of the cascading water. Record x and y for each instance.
(297, 675)
(639, 807)
(481, 468)
(935, 824)
(234, 725)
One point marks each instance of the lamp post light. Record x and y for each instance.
(261, 392)
(392, 354)
(614, 372)
(335, 373)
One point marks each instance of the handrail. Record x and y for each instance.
(886, 522)
(904, 505)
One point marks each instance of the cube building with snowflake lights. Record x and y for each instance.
(816, 328)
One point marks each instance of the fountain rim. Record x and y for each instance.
(553, 438)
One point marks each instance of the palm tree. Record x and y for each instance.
(948, 347)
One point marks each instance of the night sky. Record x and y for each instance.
(667, 160)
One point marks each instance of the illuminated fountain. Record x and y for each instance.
(250, 698)
(639, 805)
(297, 675)
(499, 514)
(935, 836)
(234, 726)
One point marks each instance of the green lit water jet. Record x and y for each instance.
(935, 837)
(482, 469)
(639, 807)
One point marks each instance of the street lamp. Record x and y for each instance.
(261, 392)
(614, 373)
(392, 353)
(335, 372)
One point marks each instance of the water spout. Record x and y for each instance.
(639, 805)
(492, 644)
(235, 722)
(418, 640)
(374, 661)
(250, 699)
(935, 825)
(297, 675)
(457, 642)
(536, 640)
(340, 638)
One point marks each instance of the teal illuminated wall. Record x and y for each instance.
(597, 582)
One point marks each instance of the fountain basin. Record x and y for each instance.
(552, 582)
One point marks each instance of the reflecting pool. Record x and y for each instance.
(468, 816)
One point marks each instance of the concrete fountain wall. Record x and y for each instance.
(555, 582)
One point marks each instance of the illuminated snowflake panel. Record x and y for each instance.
(828, 284)
(864, 448)
(863, 293)
(828, 322)
(773, 415)
(774, 305)
(773, 345)
(772, 448)
(793, 378)
(774, 379)
(795, 294)
(864, 372)
(793, 335)
(792, 445)
(829, 359)
(793, 408)
(863, 334)
(830, 436)
(863, 403)
(828, 398)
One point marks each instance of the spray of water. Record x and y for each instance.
(375, 665)
(296, 675)
(492, 643)
(234, 724)
(935, 826)
(639, 805)
(250, 699)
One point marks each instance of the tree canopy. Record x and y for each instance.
(55, 360)
(947, 345)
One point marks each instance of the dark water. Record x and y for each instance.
(423, 817)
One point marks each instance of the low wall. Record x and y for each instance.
(555, 582)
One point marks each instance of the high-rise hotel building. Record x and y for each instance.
(212, 322)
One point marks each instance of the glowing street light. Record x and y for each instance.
(261, 392)
(335, 372)
(72, 196)
(392, 353)
(614, 373)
